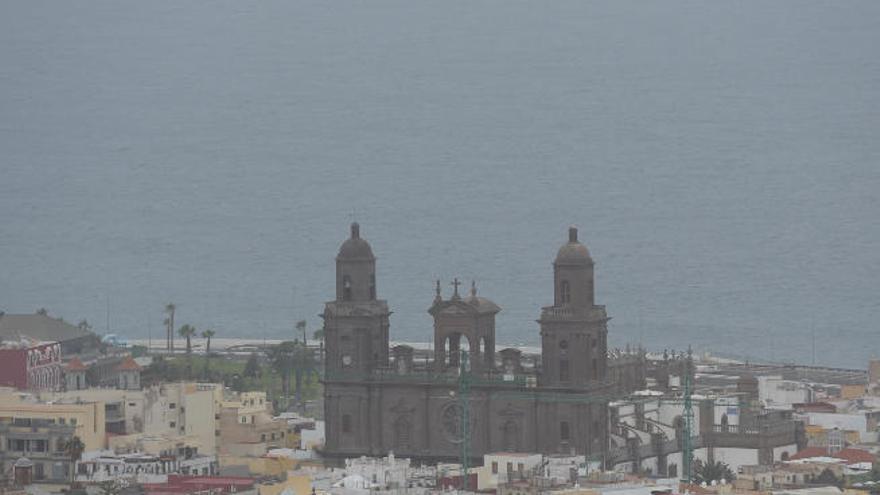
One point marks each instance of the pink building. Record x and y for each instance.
(30, 365)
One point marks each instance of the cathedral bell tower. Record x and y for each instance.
(573, 330)
(356, 322)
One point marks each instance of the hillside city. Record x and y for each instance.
(341, 408)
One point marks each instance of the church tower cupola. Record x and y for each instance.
(573, 274)
(355, 269)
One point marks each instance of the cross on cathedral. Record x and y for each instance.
(455, 283)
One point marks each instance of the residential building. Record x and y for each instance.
(247, 427)
(28, 364)
(35, 435)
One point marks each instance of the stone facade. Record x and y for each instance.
(378, 400)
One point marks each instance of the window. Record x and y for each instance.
(244, 419)
(564, 434)
(494, 467)
(282, 434)
(131, 404)
(61, 421)
(564, 292)
(563, 370)
(372, 286)
(520, 469)
(73, 421)
(252, 419)
(346, 288)
(172, 405)
(172, 425)
(595, 369)
(216, 433)
(346, 423)
(273, 436)
(509, 468)
(263, 437)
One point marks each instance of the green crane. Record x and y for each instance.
(687, 453)
(464, 392)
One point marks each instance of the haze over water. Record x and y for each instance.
(722, 160)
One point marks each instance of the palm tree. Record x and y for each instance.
(301, 327)
(169, 326)
(207, 334)
(304, 365)
(188, 331)
(74, 449)
(281, 360)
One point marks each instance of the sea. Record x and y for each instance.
(721, 160)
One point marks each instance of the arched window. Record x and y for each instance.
(564, 292)
(346, 288)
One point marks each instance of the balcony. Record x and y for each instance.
(565, 313)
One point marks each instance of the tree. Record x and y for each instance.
(187, 331)
(74, 449)
(301, 326)
(281, 360)
(304, 365)
(713, 471)
(827, 477)
(169, 326)
(293, 357)
(112, 487)
(207, 334)
(252, 367)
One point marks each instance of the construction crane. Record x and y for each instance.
(687, 453)
(464, 393)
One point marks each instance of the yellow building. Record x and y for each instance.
(852, 391)
(40, 433)
(87, 418)
(297, 484)
(247, 427)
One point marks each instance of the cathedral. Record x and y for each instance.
(467, 396)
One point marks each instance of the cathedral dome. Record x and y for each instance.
(573, 252)
(355, 247)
